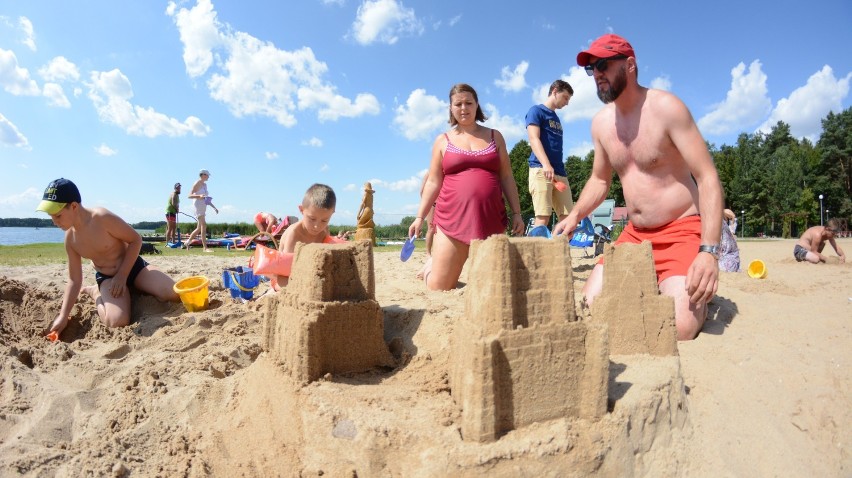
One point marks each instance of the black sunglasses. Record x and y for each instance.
(601, 65)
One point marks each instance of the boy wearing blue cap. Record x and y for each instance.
(112, 246)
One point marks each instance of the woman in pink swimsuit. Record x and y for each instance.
(469, 175)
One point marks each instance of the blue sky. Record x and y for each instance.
(127, 97)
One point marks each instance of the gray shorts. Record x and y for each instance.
(800, 253)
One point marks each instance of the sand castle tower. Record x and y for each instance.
(327, 319)
(641, 321)
(366, 227)
(521, 356)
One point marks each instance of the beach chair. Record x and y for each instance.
(266, 237)
(584, 236)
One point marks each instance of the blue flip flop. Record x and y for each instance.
(407, 249)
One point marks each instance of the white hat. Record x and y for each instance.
(204, 171)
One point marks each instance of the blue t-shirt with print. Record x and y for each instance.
(550, 133)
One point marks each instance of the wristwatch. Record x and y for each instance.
(712, 250)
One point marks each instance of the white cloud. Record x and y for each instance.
(111, 92)
(581, 150)
(254, 78)
(455, 20)
(59, 69)
(584, 102)
(271, 155)
(199, 33)
(9, 134)
(421, 116)
(313, 142)
(55, 95)
(105, 150)
(331, 106)
(513, 80)
(324, 168)
(29, 35)
(746, 103)
(408, 185)
(338, 3)
(29, 196)
(807, 105)
(511, 129)
(384, 21)
(16, 80)
(662, 83)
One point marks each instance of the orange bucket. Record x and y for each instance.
(757, 269)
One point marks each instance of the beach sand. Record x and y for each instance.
(763, 391)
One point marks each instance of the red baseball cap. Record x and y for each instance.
(606, 46)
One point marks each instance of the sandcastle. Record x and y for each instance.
(327, 319)
(522, 368)
(521, 356)
(641, 321)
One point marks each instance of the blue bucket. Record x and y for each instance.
(241, 281)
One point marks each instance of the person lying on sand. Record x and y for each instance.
(112, 246)
(810, 245)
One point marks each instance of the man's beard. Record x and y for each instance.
(616, 87)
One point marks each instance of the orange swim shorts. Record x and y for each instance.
(674, 246)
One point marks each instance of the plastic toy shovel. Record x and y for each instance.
(407, 249)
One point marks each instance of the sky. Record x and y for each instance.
(127, 97)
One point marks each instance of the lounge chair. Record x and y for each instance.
(274, 236)
(584, 236)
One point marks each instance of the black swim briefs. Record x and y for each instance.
(131, 278)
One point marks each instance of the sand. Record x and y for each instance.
(763, 391)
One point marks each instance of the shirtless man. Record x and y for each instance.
(810, 245)
(113, 247)
(650, 139)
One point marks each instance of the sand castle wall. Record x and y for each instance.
(521, 356)
(327, 319)
(640, 320)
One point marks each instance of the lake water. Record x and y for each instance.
(13, 236)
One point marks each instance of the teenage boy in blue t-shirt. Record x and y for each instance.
(546, 164)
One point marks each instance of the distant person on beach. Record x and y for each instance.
(469, 175)
(113, 247)
(810, 245)
(265, 222)
(200, 195)
(547, 166)
(172, 210)
(729, 251)
(649, 138)
(317, 208)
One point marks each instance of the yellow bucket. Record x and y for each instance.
(193, 293)
(757, 269)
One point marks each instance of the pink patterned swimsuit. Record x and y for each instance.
(470, 203)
